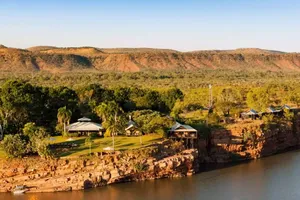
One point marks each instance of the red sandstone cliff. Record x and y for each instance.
(250, 140)
(55, 59)
(82, 173)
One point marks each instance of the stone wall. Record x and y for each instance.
(76, 174)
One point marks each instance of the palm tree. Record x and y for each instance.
(101, 111)
(111, 115)
(64, 116)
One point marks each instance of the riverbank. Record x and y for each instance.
(237, 142)
(83, 173)
(267, 178)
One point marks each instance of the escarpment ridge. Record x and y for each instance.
(56, 59)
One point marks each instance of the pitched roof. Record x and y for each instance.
(84, 119)
(251, 112)
(84, 126)
(130, 124)
(182, 127)
(129, 127)
(286, 107)
(272, 110)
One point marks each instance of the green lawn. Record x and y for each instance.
(121, 143)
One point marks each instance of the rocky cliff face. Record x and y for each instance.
(55, 59)
(240, 141)
(250, 140)
(76, 174)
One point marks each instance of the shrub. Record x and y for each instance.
(247, 136)
(34, 135)
(213, 118)
(288, 115)
(177, 146)
(43, 149)
(140, 167)
(14, 146)
(94, 135)
(268, 119)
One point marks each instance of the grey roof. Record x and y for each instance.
(130, 124)
(181, 127)
(251, 112)
(129, 127)
(84, 119)
(272, 110)
(84, 126)
(286, 107)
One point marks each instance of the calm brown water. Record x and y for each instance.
(272, 178)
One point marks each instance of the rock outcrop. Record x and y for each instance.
(82, 173)
(250, 140)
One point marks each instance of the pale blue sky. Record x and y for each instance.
(182, 25)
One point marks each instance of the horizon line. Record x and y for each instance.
(158, 48)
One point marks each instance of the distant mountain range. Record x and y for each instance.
(56, 59)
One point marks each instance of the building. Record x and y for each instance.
(250, 114)
(132, 129)
(274, 111)
(85, 126)
(286, 107)
(186, 133)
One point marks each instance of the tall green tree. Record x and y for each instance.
(227, 100)
(112, 116)
(170, 96)
(19, 102)
(258, 99)
(64, 116)
(146, 99)
(152, 121)
(59, 97)
(94, 94)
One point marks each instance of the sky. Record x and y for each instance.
(183, 25)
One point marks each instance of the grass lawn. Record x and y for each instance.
(121, 143)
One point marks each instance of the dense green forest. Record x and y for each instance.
(183, 80)
(35, 106)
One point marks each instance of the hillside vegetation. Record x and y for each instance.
(56, 59)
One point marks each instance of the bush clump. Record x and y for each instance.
(14, 146)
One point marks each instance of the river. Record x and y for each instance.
(271, 178)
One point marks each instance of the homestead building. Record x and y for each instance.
(185, 133)
(85, 126)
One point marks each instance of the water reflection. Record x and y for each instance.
(276, 177)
